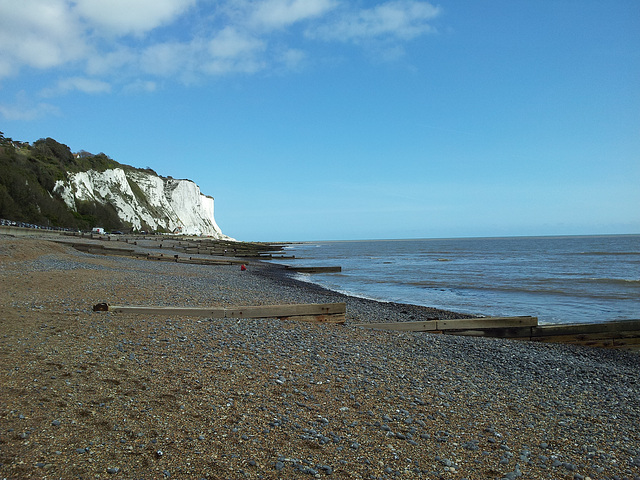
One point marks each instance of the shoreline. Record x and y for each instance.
(279, 273)
(95, 394)
(566, 281)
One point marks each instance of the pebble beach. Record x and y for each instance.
(88, 395)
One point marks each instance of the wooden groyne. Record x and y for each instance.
(189, 246)
(228, 248)
(308, 312)
(96, 249)
(318, 269)
(166, 248)
(621, 334)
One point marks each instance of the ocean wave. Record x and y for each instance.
(599, 254)
(612, 281)
(530, 289)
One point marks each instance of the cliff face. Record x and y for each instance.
(143, 200)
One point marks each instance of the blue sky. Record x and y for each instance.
(334, 119)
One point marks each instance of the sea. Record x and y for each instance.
(569, 279)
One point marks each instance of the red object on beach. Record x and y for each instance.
(243, 268)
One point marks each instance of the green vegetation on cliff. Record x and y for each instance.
(28, 176)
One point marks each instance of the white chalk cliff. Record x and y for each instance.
(145, 200)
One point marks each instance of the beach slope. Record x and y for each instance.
(95, 394)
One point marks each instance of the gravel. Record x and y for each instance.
(95, 394)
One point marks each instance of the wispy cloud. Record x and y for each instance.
(276, 14)
(230, 43)
(81, 84)
(122, 42)
(163, 59)
(399, 19)
(128, 17)
(25, 110)
(139, 86)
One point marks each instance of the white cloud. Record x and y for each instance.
(147, 86)
(165, 59)
(232, 50)
(46, 34)
(38, 33)
(228, 51)
(120, 41)
(399, 19)
(229, 43)
(81, 84)
(130, 16)
(119, 58)
(275, 14)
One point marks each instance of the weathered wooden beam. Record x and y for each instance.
(328, 318)
(628, 343)
(486, 323)
(269, 311)
(118, 251)
(183, 311)
(161, 258)
(320, 312)
(585, 328)
(315, 269)
(101, 249)
(426, 326)
(462, 324)
(211, 261)
(517, 333)
(623, 334)
(577, 337)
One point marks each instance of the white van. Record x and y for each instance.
(98, 230)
